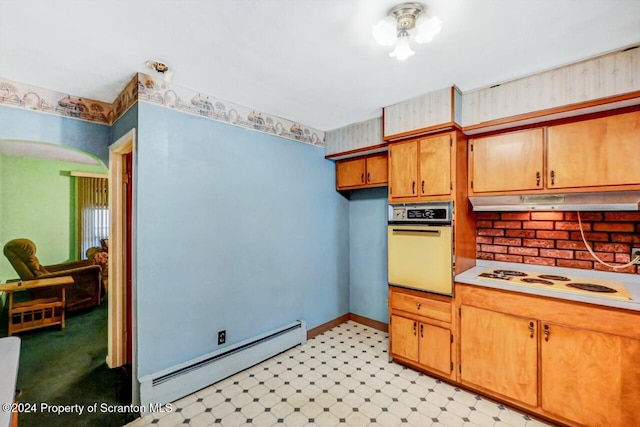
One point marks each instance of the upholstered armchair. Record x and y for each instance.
(84, 293)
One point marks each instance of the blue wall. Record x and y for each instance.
(236, 230)
(368, 253)
(125, 123)
(16, 123)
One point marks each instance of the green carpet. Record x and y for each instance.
(68, 368)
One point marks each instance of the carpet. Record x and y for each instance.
(66, 370)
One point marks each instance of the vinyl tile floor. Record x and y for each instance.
(341, 377)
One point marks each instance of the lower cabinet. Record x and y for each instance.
(499, 353)
(590, 377)
(575, 363)
(420, 330)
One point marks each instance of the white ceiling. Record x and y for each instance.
(310, 61)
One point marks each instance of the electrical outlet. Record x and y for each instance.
(222, 337)
(635, 253)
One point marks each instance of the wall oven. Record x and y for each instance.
(420, 246)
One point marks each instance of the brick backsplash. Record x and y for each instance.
(553, 238)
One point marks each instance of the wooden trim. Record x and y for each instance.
(375, 324)
(88, 174)
(556, 113)
(357, 152)
(443, 127)
(326, 326)
(116, 354)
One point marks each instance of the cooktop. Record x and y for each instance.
(585, 286)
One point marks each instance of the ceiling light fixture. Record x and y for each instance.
(162, 68)
(403, 22)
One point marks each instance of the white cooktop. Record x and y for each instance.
(630, 282)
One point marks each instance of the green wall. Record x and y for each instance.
(36, 202)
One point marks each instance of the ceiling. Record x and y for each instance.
(310, 61)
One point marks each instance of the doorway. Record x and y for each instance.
(122, 334)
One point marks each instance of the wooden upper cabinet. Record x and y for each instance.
(590, 378)
(377, 169)
(362, 172)
(350, 173)
(421, 169)
(593, 153)
(507, 162)
(435, 165)
(403, 169)
(498, 352)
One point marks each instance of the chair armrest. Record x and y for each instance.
(67, 265)
(87, 269)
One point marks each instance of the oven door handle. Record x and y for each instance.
(413, 230)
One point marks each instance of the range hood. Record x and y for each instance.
(603, 201)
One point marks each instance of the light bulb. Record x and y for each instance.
(427, 28)
(385, 31)
(403, 48)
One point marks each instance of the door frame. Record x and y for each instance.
(117, 298)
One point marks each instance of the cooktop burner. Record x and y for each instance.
(509, 273)
(538, 281)
(592, 287)
(554, 277)
(495, 276)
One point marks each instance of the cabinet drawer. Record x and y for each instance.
(421, 306)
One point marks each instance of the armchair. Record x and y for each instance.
(84, 293)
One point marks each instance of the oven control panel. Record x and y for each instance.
(423, 213)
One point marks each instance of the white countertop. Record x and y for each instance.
(9, 358)
(631, 282)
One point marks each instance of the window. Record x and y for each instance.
(92, 212)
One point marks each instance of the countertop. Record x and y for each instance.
(631, 282)
(9, 358)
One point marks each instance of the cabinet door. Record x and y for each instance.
(595, 152)
(404, 338)
(350, 173)
(590, 378)
(498, 352)
(435, 165)
(435, 348)
(377, 168)
(507, 162)
(403, 169)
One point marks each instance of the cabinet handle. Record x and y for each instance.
(414, 328)
(413, 187)
(546, 332)
(368, 176)
(422, 186)
(421, 331)
(537, 179)
(418, 305)
(531, 329)
(362, 177)
(553, 177)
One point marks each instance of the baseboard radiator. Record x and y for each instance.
(181, 380)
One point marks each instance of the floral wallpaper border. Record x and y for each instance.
(143, 87)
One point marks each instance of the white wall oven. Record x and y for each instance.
(420, 246)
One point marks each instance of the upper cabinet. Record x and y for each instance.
(507, 162)
(354, 139)
(422, 169)
(590, 155)
(362, 172)
(598, 152)
(433, 112)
